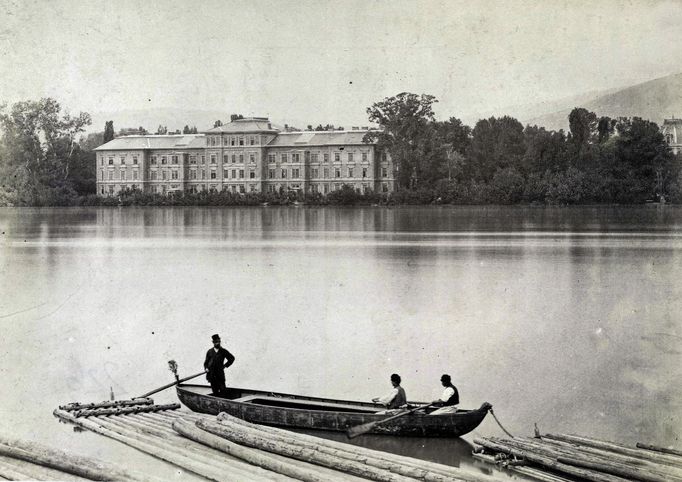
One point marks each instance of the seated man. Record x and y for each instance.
(395, 399)
(449, 400)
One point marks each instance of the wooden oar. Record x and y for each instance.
(171, 384)
(367, 427)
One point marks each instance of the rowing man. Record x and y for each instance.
(396, 398)
(449, 400)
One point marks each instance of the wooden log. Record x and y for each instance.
(621, 471)
(617, 448)
(86, 467)
(212, 463)
(265, 443)
(532, 472)
(175, 458)
(201, 453)
(389, 466)
(664, 450)
(576, 457)
(108, 404)
(643, 464)
(548, 462)
(255, 457)
(432, 467)
(9, 472)
(153, 424)
(137, 426)
(39, 472)
(98, 412)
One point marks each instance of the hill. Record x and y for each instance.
(654, 100)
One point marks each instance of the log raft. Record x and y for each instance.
(559, 456)
(227, 448)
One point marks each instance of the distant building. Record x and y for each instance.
(245, 155)
(672, 131)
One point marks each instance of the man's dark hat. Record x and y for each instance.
(215, 338)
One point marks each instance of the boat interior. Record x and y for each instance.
(285, 400)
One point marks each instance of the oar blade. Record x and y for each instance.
(360, 429)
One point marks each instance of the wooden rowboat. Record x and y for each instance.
(297, 411)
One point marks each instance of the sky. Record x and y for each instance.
(327, 61)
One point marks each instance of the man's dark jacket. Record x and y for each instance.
(215, 362)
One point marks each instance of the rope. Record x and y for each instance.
(498, 423)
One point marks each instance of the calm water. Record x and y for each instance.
(565, 317)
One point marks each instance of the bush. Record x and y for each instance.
(507, 186)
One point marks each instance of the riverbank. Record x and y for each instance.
(451, 194)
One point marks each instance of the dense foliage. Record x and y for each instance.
(498, 161)
(41, 162)
(600, 160)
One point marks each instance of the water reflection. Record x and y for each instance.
(454, 452)
(568, 317)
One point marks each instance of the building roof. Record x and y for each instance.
(198, 141)
(249, 124)
(318, 138)
(172, 141)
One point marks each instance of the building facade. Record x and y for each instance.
(246, 155)
(672, 132)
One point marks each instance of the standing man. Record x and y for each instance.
(217, 358)
(396, 398)
(449, 400)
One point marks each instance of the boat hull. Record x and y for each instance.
(326, 414)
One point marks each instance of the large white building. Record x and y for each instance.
(246, 155)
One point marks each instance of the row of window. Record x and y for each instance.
(122, 175)
(314, 157)
(164, 159)
(233, 140)
(122, 160)
(239, 174)
(284, 157)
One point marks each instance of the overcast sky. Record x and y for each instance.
(322, 61)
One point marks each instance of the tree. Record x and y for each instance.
(161, 130)
(39, 152)
(185, 130)
(217, 123)
(404, 121)
(583, 125)
(605, 129)
(641, 148)
(544, 150)
(496, 143)
(108, 131)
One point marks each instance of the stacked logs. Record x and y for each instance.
(553, 457)
(227, 448)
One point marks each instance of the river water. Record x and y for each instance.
(570, 318)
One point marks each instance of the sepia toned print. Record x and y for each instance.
(273, 240)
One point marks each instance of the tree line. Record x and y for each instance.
(599, 160)
(46, 159)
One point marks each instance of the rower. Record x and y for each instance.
(396, 398)
(449, 400)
